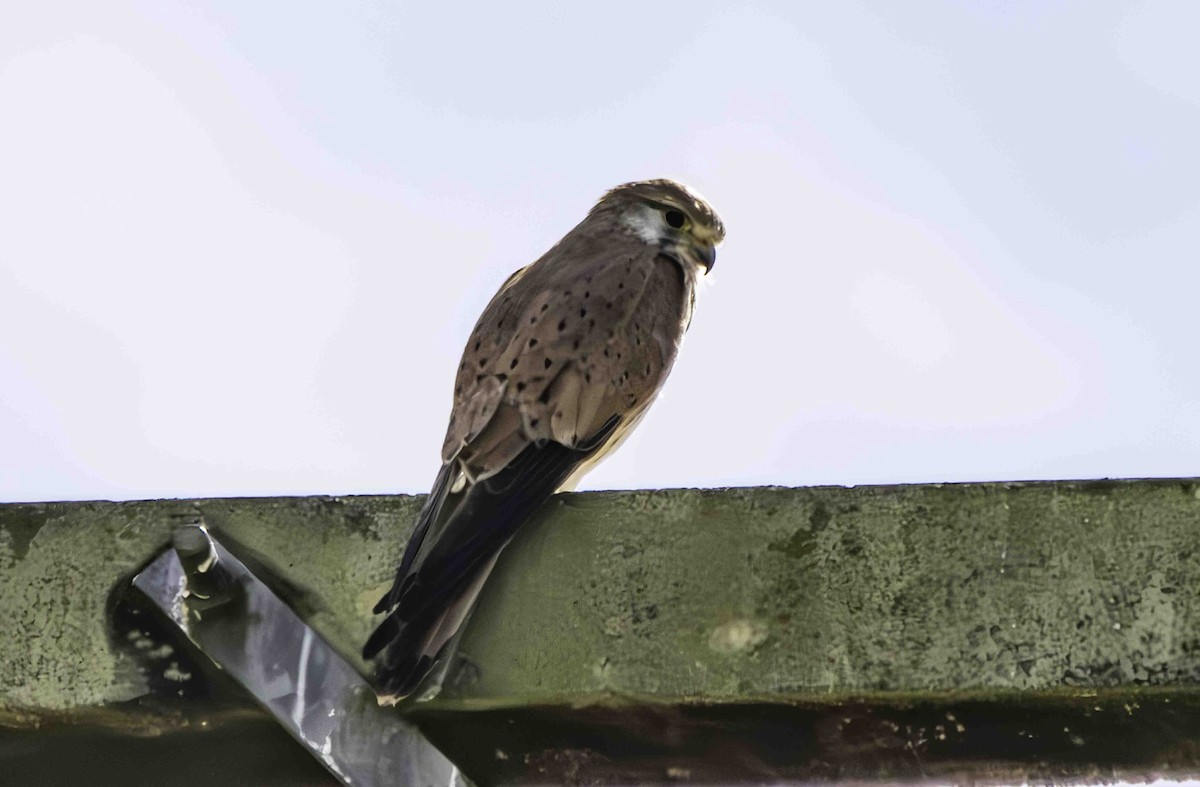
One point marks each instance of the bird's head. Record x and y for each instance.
(669, 215)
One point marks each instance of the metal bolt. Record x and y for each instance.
(207, 581)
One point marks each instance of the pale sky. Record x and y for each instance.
(242, 244)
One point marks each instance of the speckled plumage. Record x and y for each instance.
(561, 365)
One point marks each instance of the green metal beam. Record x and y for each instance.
(880, 600)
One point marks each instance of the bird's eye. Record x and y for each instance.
(675, 218)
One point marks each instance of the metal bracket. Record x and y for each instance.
(289, 669)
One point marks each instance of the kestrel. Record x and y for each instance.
(563, 363)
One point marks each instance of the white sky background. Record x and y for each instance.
(242, 244)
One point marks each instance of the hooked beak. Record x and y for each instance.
(705, 255)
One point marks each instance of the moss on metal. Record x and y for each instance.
(834, 591)
(716, 595)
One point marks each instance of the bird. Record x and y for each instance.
(561, 366)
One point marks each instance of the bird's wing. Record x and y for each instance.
(474, 525)
(568, 351)
(565, 346)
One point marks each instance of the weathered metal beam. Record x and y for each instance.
(880, 632)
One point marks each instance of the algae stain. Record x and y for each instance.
(801, 543)
(798, 546)
(820, 517)
(22, 521)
